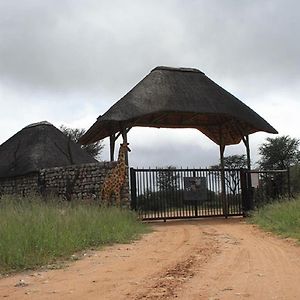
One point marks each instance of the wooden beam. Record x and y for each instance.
(249, 192)
(158, 118)
(112, 142)
(223, 188)
(187, 120)
(118, 134)
(246, 142)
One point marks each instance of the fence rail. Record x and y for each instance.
(267, 186)
(185, 193)
(193, 193)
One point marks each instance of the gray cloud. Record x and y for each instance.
(69, 61)
(109, 46)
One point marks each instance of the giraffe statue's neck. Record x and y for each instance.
(121, 157)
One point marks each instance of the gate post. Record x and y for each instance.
(223, 188)
(244, 190)
(247, 195)
(133, 189)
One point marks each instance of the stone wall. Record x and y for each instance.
(21, 185)
(71, 182)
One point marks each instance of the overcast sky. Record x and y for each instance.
(68, 61)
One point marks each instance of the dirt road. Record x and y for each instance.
(203, 259)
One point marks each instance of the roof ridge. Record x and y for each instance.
(179, 69)
(38, 124)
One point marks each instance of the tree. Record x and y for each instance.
(279, 153)
(167, 179)
(232, 178)
(75, 134)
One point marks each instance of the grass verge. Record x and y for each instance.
(35, 233)
(282, 218)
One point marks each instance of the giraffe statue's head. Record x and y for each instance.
(124, 147)
(122, 151)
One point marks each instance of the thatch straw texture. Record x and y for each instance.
(180, 98)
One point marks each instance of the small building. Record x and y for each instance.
(40, 159)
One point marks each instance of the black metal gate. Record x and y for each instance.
(186, 193)
(263, 187)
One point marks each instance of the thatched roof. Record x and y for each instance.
(37, 146)
(180, 98)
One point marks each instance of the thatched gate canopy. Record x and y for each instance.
(180, 98)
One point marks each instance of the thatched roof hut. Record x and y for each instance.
(180, 98)
(37, 146)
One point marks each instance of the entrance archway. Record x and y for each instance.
(181, 98)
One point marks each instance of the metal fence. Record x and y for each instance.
(263, 187)
(192, 193)
(185, 193)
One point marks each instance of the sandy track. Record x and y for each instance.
(204, 259)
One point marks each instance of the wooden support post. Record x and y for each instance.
(249, 192)
(246, 142)
(124, 135)
(112, 141)
(223, 189)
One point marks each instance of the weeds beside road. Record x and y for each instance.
(281, 217)
(35, 233)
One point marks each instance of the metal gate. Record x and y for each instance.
(186, 193)
(263, 187)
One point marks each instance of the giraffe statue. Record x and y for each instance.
(115, 178)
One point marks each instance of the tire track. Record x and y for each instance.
(195, 260)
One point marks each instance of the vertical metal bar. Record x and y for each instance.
(220, 202)
(155, 189)
(143, 187)
(191, 210)
(208, 193)
(150, 191)
(177, 192)
(141, 193)
(212, 188)
(164, 202)
(195, 200)
(137, 192)
(133, 189)
(204, 175)
(240, 193)
(146, 187)
(181, 195)
(243, 181)
(158, 202)
(166, 192)
(200, 203)
(185, 204)
(174, 209)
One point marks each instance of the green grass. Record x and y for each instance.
(282, 218)
(35, 233)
